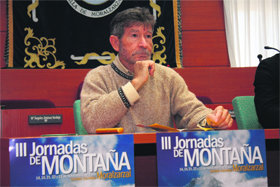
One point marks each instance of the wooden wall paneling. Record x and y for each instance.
(221, 85)
(57, 86)
(15, 122)
(2, 48)
(0, 122)
(205, 48)
(61, 86)
(3, 20)
(202, 15)
(5, 162)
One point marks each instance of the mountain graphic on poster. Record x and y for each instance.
(208, 181)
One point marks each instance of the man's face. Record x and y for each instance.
(136, 44)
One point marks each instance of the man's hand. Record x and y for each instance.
(219, 118)
(142, 71)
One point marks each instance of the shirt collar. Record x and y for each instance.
(121, 67)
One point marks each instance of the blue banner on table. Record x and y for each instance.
(212, 158)
(75, 33)
(106, 160)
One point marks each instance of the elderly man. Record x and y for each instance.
(134, 90)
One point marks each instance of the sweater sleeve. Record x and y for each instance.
(131, 93)
(102, 107)
(186, 108)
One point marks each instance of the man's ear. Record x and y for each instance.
(114, 40)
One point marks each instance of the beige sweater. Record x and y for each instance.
(108, 99)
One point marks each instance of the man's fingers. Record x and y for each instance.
(142, 71)
(211, 119)
(224, 115)
(226, 125)
(220, 117)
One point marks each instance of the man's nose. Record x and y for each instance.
(143, 42)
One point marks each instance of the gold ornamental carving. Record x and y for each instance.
(155, 7)
(40, 52)
(158, 50)
(109, 58)
(32, 7)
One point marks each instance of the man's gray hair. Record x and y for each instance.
(129, 17)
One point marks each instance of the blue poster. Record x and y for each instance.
(97, 160)
(212, 158)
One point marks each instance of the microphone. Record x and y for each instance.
(267, 47)
(260, 57)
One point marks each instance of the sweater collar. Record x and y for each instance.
(119, 68)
